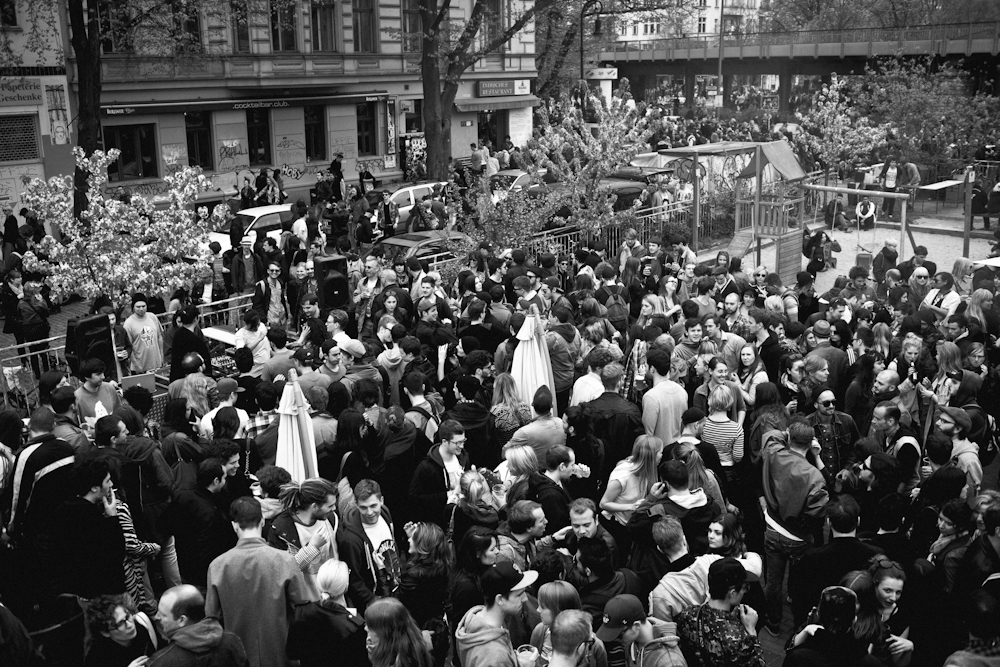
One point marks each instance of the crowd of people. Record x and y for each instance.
(613, 457)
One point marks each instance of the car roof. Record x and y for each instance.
(264, 210)
(416, 238)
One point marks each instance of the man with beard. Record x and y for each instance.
(732, 320)
(900, 442)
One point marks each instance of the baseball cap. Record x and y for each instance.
(959, 416)
(228, 386)
(426, 304)
(727, 573)
(503, 578)
(620, 613)
(553, 283)
(353, 347)
(304, 355)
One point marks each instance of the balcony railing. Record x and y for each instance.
(948, 32)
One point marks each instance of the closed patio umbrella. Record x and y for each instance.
(296, 445)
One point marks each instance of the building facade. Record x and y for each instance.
(36, 133)
(290, 88)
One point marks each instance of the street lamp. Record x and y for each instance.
(597, 25)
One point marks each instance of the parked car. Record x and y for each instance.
(434, 246)
(255, 221)
(516, 179)
(647, 175)
(627, 191)
(403, 195)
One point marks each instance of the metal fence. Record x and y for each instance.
(22, 364)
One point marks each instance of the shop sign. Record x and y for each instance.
(504, 87)
(20, 92)
(602, 74)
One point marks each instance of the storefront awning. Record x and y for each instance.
(238, 104)
(497, 103)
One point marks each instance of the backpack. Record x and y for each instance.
(185, 472)
(432, 419)
(984, 433)
(617, 308)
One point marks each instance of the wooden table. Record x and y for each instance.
(936, 187)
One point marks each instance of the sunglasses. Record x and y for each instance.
(761, 275)
(827, 404)
(921, 277)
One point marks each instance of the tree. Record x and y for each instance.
(580, 154)
(836, 128)
(115, 248)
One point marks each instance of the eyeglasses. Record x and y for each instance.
(125, 622)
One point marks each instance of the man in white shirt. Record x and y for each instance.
(145, 335)
(589, 386)
(942, 300)
(228, 388)
(336, 322)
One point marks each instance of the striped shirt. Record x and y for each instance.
(727, 438)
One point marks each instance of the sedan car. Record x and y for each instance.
(433, 246)
(257, 221)
(404, 195)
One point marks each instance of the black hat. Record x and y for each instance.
(503, 578)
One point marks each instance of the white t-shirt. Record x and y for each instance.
(624, 474)
(454, 469)
(384, 547)
(890, 177)
(207, 429)
(326, 553)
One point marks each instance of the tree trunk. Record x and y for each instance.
(438, 100)
(86, 43)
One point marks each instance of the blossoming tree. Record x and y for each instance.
(116, 248)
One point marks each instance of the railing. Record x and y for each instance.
(954, 31)
(21, 364)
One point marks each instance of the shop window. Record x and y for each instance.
(240, 27)
(315, 122)
(365, 26)
(324, 25)
(259, 136)
(415, 119)
(412, 27)
(8, 13)
(19, 138)
(199, 139)
(138, 158)
(366, 128)
(283, 29)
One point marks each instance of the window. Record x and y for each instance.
(635, 29)
(188, 30)
(364, 25)
(240, 27)
(259, 136)
(324, 25)
(493, 21)
(199, 139)
(315, 133)
(283, 29)
(414, 121)
(366, 128)
(701, 24)
(8, 13)
(138, 158)
(19, 138)
(412, 26)
(114, 17)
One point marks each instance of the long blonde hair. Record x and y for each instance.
(505, 392)
(644, 459)
(949, 358)
(687, 453)
(657, 305)
(883, 338)
(195, 392)
(974, 311)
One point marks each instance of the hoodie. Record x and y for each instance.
(965, 454)
(390, 366)
(664, 650)
(695, 511)
(682, 590)
(204, 644)
(482, 645)
(430, 486)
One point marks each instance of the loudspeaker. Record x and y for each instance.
(331, 282)
(90, 338)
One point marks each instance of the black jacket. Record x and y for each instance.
(617, 423)
(325, 629)
(429, 488)
(824, 566)
(186, 341)
(357, 550)
(980, 561)
(201, 532)
(553, 498)
(423, 590)
(480, 441)
(91, 552)
(694, 521)
(595, 595)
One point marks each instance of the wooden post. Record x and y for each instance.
(970, 176)
(758, 183)
(697, 203)
(902, 229)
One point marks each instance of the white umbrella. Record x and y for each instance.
(296, 445)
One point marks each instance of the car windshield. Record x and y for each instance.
(504, 179)
(244, 220)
